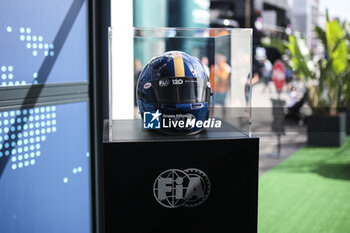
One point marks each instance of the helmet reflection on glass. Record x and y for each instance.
(177, 85)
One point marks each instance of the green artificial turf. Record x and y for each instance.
(308, 192)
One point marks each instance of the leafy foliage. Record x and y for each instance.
(324, 76)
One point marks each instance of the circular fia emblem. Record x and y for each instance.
(175, 188)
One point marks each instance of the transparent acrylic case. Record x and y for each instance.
(225, 52)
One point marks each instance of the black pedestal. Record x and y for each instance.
(326, 131)
(218, 166)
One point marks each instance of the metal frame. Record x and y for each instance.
(20, 97)
(99, 21)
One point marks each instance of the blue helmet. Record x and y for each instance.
(176, 85)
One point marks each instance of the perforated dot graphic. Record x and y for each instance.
(75, 171)
(7, 76)
(22, 133)
(34, 42)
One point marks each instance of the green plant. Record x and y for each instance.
(346, 74)
(326, 76)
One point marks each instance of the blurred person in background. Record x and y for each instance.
(205, 62)
(266, 73)
(222, 73)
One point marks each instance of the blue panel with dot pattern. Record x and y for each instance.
(27, 31)
(44, 186)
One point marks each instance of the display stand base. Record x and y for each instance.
(134, 160)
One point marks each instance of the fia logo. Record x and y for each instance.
(151, 120)
(174, 188)
(163, 82)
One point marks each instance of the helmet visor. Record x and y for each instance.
(181, 90)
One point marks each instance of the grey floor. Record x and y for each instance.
(292, 141)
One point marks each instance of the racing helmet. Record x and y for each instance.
(177, 86)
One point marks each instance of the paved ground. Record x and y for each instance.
(290, 143)
(293, 140)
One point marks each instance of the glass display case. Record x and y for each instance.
(163, 78)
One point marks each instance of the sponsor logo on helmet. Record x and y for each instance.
(147, 85)
(177, 81)
(181, 188)
(164, 82)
